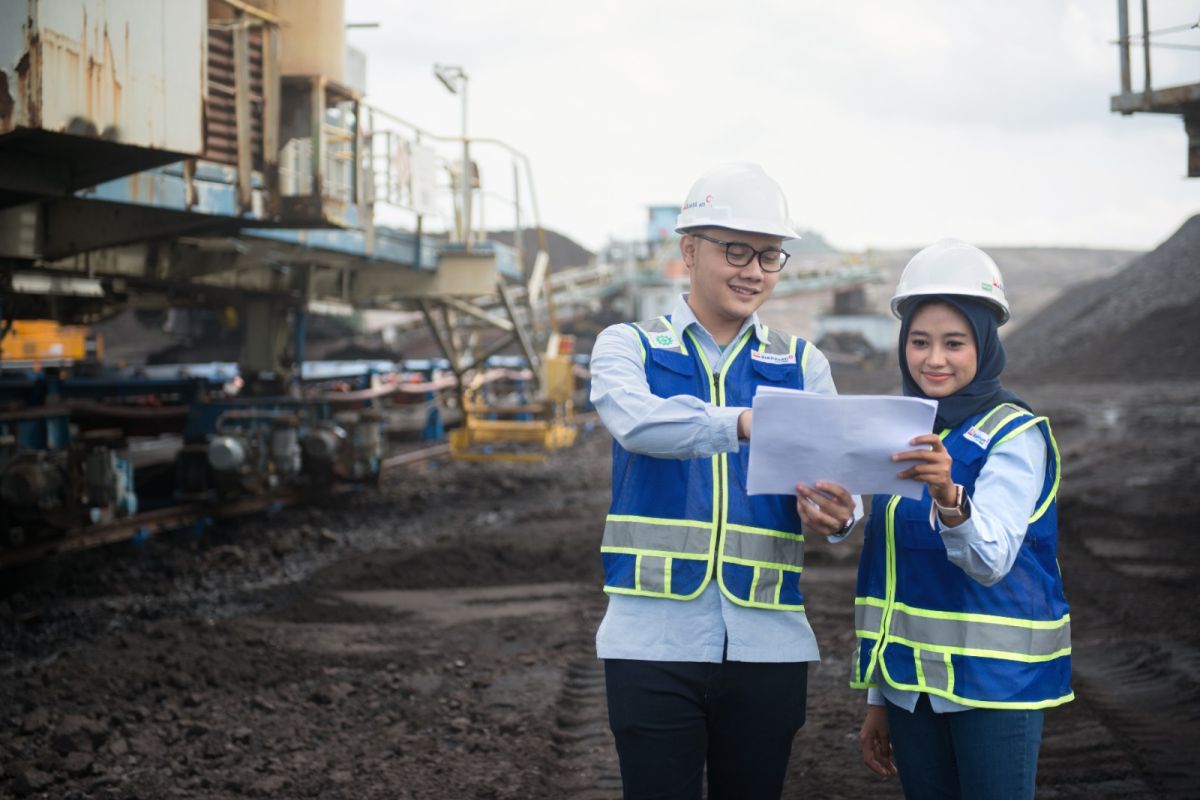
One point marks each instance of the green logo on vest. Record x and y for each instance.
(665, 339)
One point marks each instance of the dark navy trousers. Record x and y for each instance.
(672, 719)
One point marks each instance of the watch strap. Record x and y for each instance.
(959, 507)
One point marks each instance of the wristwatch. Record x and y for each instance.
(959, 509)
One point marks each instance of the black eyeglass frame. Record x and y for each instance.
(754, 254)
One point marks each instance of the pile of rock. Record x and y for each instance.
(1139, 324)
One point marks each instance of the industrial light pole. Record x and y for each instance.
(455, 80)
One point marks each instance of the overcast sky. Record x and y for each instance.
(888, 124)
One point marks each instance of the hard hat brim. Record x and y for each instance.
(900, 303)
(743, 226)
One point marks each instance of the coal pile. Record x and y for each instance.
(1139, 324)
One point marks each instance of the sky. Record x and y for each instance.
(888, 124)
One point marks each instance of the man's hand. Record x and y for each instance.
(876, 743)
(744, 420)
(823, 510)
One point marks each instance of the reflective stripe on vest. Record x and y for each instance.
(642, 534)
(762, 546)
(981, 634)
(868, 617)
(993, 421)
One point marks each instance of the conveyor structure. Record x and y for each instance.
(220, 154)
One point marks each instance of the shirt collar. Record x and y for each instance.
(682, 317)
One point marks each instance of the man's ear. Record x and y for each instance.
(687, 246)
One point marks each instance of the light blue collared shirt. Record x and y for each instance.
(985, 545)
(653, 629)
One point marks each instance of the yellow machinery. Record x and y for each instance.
(41, 342)
(493, 430)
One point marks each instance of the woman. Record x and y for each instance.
(963, 628)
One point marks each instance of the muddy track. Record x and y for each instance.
(435, 640)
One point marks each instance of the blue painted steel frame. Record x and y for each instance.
(216, 195)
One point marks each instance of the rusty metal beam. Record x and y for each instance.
(253, 11)
(1171, 100)
(245, 126)
(273, 109)
(479, 313)
(72, 225)
(441, 339)
(317, 133)
(527, 348)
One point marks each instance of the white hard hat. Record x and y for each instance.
(952, 267)
(740, 197)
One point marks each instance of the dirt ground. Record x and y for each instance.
(434, 639)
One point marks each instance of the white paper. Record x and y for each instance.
(802, 437)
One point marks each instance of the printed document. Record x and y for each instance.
(802, 437)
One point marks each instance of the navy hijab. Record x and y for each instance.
(984, 391)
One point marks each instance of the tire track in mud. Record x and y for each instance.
(583, 743)
(1135, 672)
(1147, 692)
(1082, 757)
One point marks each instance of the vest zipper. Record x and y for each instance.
(719, 396)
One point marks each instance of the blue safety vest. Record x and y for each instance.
(924, 625)
(675, 523)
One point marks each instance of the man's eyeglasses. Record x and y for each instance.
(739, 254)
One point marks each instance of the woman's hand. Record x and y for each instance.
(932, 468)
(876, 743)
(825, 509)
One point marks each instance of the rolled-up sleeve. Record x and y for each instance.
(642, 422)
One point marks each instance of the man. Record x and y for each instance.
(706, 644)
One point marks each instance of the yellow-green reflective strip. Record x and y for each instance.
(1057, 476)
(868, 617)
(1019, 638)
(764, 549)
(1024, 426)
(641, 551)
(671, 328)
(733, 526)
(746, 562)
(1040, 510)
(988, 425)
(670, 537)
(971, 701)
(641, 347)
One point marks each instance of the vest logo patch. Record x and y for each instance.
(773, 358)
(664, 340)
(978, 437)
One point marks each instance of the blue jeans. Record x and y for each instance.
(981, 754)
(673, 719)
